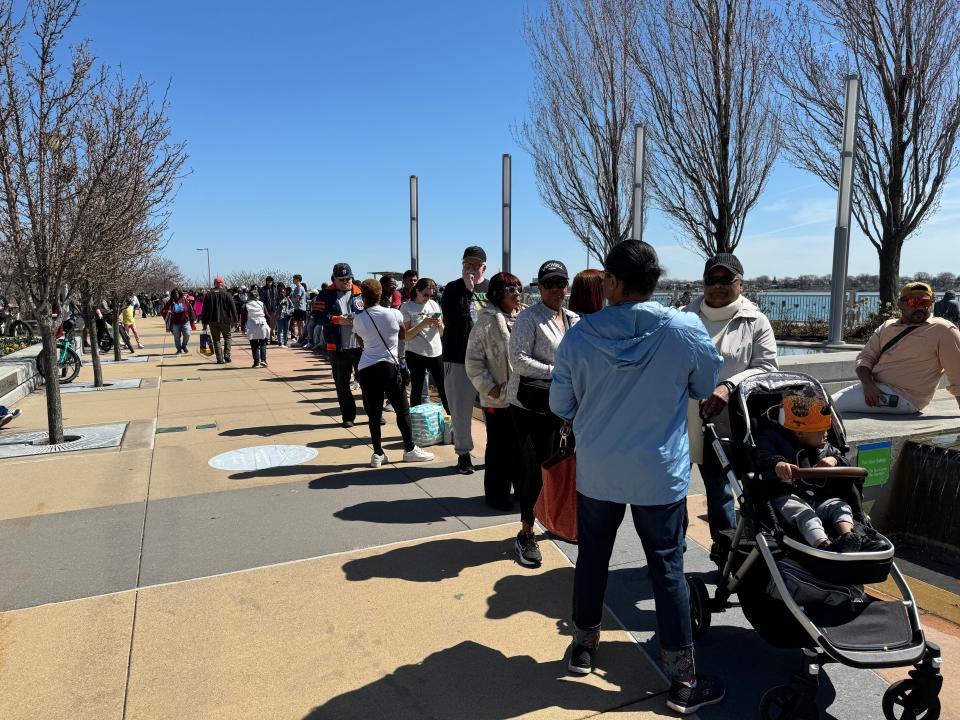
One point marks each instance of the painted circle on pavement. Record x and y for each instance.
(262, 457)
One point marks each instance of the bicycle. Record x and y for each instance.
(68, 360)
(11, 324)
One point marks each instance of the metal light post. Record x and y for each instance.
(841, 235)
(638, 160)
(414, 224)
(507, 209)
(207, 251)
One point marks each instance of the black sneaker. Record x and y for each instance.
(685, 700)
(846, 543)
(347, 423)
(583, 648)
(528, 552)
(870, 545)
(465, 464)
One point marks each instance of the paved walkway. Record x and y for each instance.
(143, 583)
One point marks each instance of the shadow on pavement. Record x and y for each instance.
(270, 430)
(429, 561)
(294, 378)
(418, 510)
(481, 683)
(294, 470)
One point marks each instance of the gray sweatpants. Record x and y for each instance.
(461, 395)
(799, 514)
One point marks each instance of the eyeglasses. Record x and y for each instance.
(513, 290)
(919, 302)
(720, 280)
(557, 283)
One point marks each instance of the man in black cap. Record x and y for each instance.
(461, 301)
(948, 308)
(336, 306)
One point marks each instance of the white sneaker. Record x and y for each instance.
(378, 460)
(354, 385)
(388, 407)
(417, 455)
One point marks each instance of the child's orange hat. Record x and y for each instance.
(805, 414)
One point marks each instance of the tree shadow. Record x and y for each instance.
(294, 378)
(470, 680)
(429, 561)
(419, 510)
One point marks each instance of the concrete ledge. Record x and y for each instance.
(18, 374)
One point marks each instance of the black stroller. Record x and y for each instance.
(865, 632)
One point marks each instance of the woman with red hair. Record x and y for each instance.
(586, 293)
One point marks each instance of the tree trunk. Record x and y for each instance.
(889, 272)
(90, 317)
(52, 382)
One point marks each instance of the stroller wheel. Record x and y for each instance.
(785, 703)
(904, 700)
(699, 606)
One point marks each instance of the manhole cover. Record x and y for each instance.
(262, 457)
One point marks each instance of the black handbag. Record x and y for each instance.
(403, 372)
(534, 394)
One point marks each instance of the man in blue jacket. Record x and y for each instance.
(623, 377)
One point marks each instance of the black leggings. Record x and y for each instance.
(536, 435)
(419, 365)
(377, 381)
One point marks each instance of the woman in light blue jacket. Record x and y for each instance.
(623, 376)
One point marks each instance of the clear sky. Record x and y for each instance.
(305, 119)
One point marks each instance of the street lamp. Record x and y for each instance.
(207, 250)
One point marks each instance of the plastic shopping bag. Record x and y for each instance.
(426, 423)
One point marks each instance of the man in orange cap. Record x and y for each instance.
(904, 360)
(799, 439)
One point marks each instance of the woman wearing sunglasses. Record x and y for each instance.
(487, 364)
(901, 365)
(744, 338)
(533, 349)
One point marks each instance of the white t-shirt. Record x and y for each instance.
(427, 342)
(388, 322)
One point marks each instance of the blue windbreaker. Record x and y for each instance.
(623, 376)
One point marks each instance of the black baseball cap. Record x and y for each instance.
(342, 270)
(724, 260)
(552, 269)
(475, 252)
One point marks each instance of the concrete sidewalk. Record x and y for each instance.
(144, 583)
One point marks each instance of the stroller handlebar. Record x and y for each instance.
(828, 473)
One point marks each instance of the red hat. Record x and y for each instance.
(219, 280)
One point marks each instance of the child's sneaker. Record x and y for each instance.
(685, 699)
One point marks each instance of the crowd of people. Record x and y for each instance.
(634, 380)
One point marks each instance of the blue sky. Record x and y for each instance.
(304, 121)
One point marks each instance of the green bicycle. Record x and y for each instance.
(68, 360)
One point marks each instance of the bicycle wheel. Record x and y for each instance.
(105, 341)
(69, 365)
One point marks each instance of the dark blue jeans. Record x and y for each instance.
(660, 528)
(720, 511)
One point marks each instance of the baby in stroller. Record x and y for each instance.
(794, 436)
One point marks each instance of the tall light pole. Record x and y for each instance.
(507, 209)
(638, 160)
(414, 224)
(207, 251)
(841, 235)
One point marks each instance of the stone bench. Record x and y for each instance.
(18, 375)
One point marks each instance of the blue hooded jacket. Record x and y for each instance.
(623, 376)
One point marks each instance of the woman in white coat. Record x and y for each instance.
(256, 319)
(744, 338)
(487, 364)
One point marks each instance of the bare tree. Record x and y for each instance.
(907, 54)
(708, 91)
(238, 278)
(80, 158)
(582, 112)
(162, 275)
